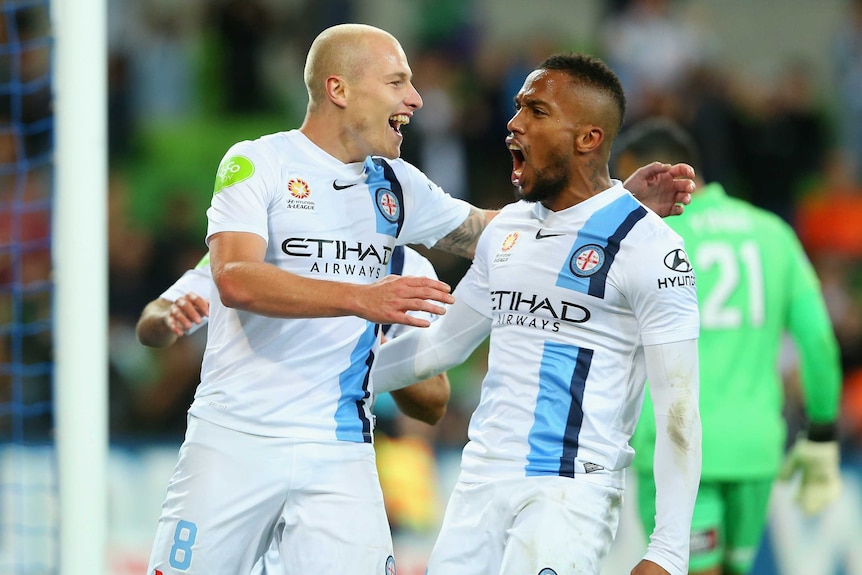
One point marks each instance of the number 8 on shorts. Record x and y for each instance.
(184, 538)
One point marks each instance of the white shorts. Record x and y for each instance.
(531, 525)
(232, 493)
(270, 563)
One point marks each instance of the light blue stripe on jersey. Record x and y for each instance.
(605, 229)
(553, 438)
(387, 195)
(351, 423)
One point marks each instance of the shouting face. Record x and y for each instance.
(550, 136)
(381, 98)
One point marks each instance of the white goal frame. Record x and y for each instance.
(79, 253)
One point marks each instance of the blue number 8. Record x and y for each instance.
(181, 552)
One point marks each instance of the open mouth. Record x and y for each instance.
(398, 120)
(517, 162)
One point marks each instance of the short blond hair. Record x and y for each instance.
(341, 50)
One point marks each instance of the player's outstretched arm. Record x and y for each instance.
(163, 320)
(423, 353)
(672, 370)
(663, 188)
(246, 282)
(462, 240)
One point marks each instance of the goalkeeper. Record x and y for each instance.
(754, 283)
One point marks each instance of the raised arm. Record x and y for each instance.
(663, 188)
(246, 282)
(672, 370)
(462, 240)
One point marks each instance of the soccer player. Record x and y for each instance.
(754, 283)
(301, 229)
(183, 308)
(180, 310)
(584, 293)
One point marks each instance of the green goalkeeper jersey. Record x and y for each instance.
(754, 283)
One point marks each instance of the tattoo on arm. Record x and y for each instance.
(462, 240)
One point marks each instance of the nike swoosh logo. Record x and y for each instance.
(541, 236)
(337, 187)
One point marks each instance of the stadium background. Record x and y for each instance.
(771, 89)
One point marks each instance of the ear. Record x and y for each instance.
(589, 139)
(337, 91)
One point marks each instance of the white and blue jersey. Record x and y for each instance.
(573, 297)
(321, 219)
(405, 262)
(408, 262)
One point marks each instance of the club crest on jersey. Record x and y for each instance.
(547, 571)
(387, 204)
(390, 565)
(299, 191)
(587, 260)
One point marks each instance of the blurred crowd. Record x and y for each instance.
(188, 79)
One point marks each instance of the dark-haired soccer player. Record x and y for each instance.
(301, 229)
(754, 283)
(585, 293)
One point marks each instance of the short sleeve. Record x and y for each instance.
(660, 284)
(473, 288)
(244, 187)
(431, 212)
(198, 280)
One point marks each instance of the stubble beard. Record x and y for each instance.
(547, 185)
(375, 143)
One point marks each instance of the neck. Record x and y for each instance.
(582, 186)
(330, 136)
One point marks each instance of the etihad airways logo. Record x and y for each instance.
(336, 249)
(340, 257)
(533, 310)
